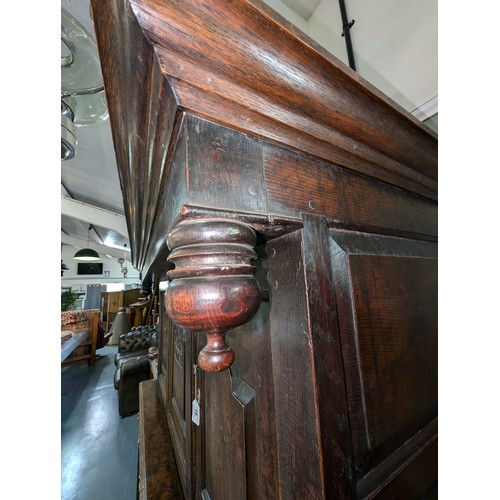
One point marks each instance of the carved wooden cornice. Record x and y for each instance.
(234, 62)
(238, 64)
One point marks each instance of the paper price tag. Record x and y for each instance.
(195, 414)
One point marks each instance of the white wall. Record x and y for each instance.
(395, 44)
(290, 15)
(74, 281)
(432, 122)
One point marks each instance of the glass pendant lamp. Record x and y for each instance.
(83, 101)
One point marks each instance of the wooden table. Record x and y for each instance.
(70, 344)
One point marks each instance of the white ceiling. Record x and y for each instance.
(395, 45)
(91, 177)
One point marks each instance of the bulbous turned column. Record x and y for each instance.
(213, 288)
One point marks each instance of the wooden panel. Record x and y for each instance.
(325, 345)
(230, 171)
(228, 412)
(250, 341)
(164, 328)
(316, 187)
(179, 394)
(297, 431)
(112, 301)
(392, 470)
(173, 197)
(104, 311)
(130, 296)
(262, 467)
(386, 294)
(158, 477)
(223, 168)
(252, 346)
(115, 301)
(241, 341)
(237, 435)
(417, 480)
(396, 319)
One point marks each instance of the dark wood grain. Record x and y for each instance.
(347, 200)
(331, 398)
(144, 119)
(158, 477)
(177, 392)
(391, 468)
(397, 341)
(213, 288)
(331, 114)
(386, 291)
(301, 92)
(299, 457)
(222, 407)
(265, 483)
(223, 168)
(234, 131)
(252, 346)
(418, 480)
(164, 327)
(230, 171)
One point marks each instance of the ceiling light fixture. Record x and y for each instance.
(64, 267)
(87, 253)
(123, 261)
(83, 101)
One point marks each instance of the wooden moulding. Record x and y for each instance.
(239, 64)
(213, 288)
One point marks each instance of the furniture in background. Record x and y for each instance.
(121, 325)
(79, 336)
(133, 366)
(251, 158)
(111, 303)
(139, 311)
(145, 310)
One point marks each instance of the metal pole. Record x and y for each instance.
(346, 27)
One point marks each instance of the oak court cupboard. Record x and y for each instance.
(292, 209)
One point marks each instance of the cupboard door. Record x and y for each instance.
(386, 298)
(228, 423)
(176, 388)
(236, 439)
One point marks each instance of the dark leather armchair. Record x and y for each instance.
(132, 366)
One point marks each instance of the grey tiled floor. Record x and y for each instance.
(98, 447)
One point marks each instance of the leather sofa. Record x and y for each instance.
(133, 366)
